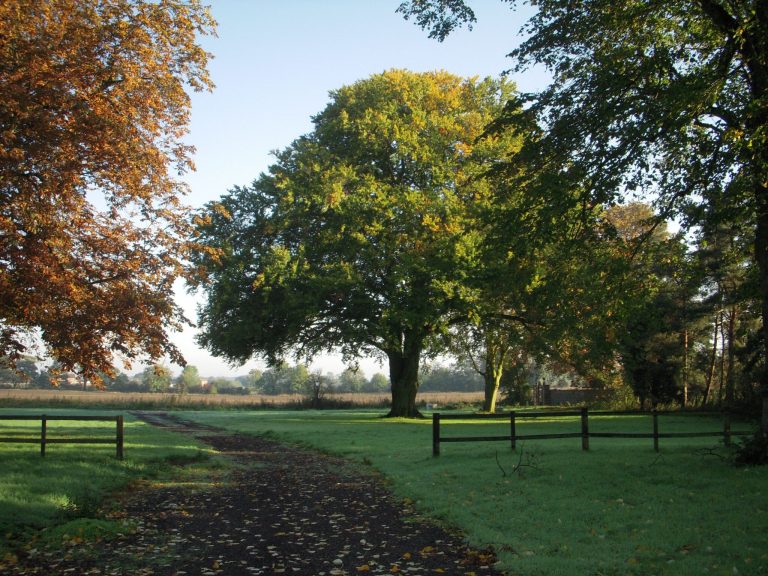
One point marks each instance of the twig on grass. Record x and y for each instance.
(530, 462)
(503, 472)
(709, 452)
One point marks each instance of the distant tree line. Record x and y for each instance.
(516, 386)
(450, 379)
(286, 379)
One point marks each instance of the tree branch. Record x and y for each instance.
(719, 16)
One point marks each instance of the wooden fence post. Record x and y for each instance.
(120, 437)
(513, 430)
(43, 434)
(655, 431)
(584, 428)
(436, 434)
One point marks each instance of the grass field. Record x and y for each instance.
(62, 492)
(618, 509)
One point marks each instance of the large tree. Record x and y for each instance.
(93, 109)
(667, 96)
(731, 305)
(485, 346)
(654, 343)
(364, 233)
(189, 379)
(156, 378)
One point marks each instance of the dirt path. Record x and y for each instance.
(281, 510)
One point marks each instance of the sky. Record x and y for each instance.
(274, 63)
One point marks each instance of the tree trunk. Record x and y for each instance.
(495, 354)
(730, 376)
(404, 376)
(764, 418)
(492, 381)
(761, 256)
(712, 360)
(756, 59)
(721, 383)
(685, 368)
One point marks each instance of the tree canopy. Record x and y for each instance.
(363, 234)
(668, 99)
(93, 109)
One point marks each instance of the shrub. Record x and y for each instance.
(753, 450)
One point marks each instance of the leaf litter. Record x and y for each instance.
(281, 510)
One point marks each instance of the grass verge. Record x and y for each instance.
(550, 508)
(64, 498)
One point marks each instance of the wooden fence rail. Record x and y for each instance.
(44, 440)
(583, 433)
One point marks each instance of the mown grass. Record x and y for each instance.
(43, 500)
(618, 509)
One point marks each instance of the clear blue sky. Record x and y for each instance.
(275, 62)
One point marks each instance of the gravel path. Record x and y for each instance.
(281, 510)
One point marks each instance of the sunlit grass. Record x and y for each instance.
(619, 508)
(74, 480)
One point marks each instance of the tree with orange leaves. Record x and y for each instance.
(93, 106)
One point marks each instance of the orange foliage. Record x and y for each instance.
(92, 110)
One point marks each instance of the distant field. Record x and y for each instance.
(146, 399)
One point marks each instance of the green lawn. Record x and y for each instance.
(57, 492)
(618, 509)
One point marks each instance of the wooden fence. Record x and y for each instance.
(584, 432)
(44, 440)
